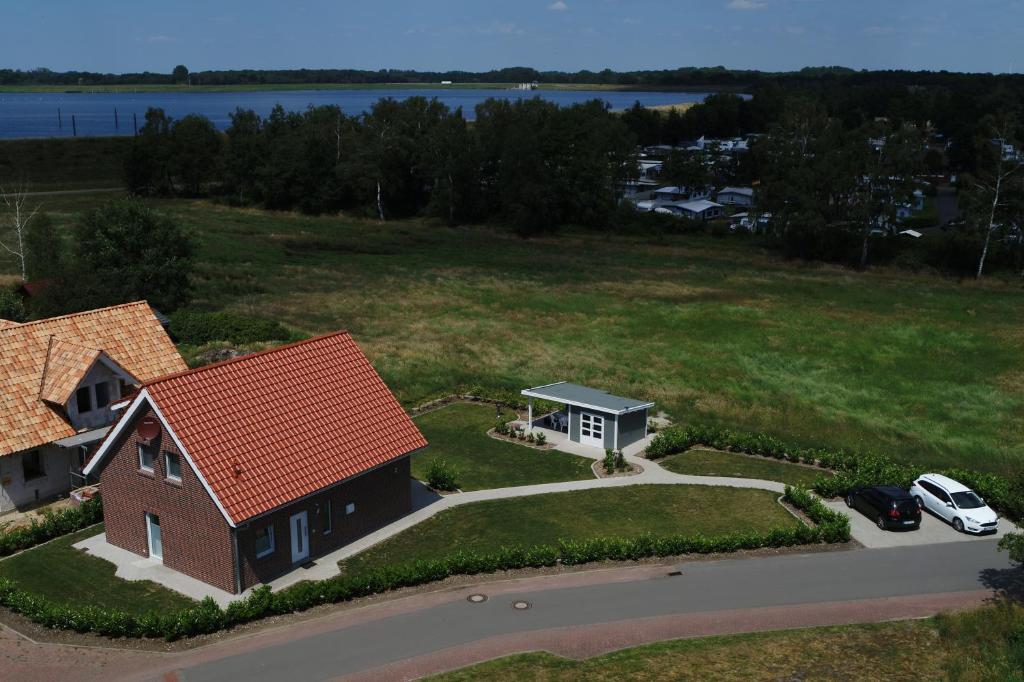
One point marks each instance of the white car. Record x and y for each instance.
(954, 502)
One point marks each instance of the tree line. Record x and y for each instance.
(528, 163)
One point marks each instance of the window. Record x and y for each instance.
(264, 542)
(146, 457)
(32, 465)
(591, 425)
(102, 394)
(350, 508)
(967, 500)
(83, 399)
(328, 517)
(172, 466)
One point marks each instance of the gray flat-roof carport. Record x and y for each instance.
(593, 409)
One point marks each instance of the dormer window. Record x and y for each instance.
(102, 394)
(83, 400)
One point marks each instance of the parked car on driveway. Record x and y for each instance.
(888, 505)
(954, 503)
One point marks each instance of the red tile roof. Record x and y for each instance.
(267, 429)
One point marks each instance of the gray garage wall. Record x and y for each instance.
(632, 426)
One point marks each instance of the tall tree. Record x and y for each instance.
(15, 226)
(194, 149)
(180, 74)
(125, 251)
(997, 181)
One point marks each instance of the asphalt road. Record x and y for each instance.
(703, 587)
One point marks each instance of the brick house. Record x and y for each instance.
(238, 472)
(58, 380)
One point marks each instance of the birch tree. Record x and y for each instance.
(18, 216)
(995, 189)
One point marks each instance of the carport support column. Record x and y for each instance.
(529, 415)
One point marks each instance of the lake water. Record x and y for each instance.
(36, 114)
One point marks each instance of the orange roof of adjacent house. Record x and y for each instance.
(42, 362)
(267, 429)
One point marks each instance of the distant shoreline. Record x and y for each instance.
(270, 87)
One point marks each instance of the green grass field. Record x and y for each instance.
(923, 368)
(903, 650)
(66, 575)
(714, 463)
(458, 435)
(581, 514)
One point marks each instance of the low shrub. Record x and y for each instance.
(52, 525)
(833, 526)
(442, 476)
(541, 439)
(201, 328)
(208, 617)
(609, 462)
(851, 470)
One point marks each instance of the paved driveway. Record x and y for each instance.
(933, 530)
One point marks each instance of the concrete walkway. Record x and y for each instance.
(426, 504)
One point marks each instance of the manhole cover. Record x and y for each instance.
(520, 605)
(476, 598)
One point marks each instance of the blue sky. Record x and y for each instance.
(115, 35)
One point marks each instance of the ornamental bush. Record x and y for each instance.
(442, 476)
(199, 328)
(53, 524)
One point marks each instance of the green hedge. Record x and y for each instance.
(197, 328)
(207, 617)
(53, 524)
(852, 470)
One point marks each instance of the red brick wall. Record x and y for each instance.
(196, 538)
(380, 496)
(198, 541)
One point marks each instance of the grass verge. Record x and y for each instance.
(457, 434)
(659, 510)
(903, 650)
(700, 462)
(64, 575)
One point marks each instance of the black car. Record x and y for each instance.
(888, 505)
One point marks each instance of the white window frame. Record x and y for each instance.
(329, 512)
(142, 467)
(167, 466)
(273, 545)
(589, 421)
(350, 508)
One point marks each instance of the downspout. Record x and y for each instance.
(238, 561)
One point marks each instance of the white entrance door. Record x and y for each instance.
(300, 537)
(156, 541)
(591, 429)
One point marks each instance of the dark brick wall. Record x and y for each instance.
(380, 496)
(196, 538)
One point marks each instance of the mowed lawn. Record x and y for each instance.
(918, 366)
(66, 575)
(898, 651)
(603, 512)
(458, 435)
(699, 462)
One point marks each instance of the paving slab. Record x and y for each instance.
(933, 530)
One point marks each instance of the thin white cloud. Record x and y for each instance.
(745, 4)
(159, 39)
(558, 6)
